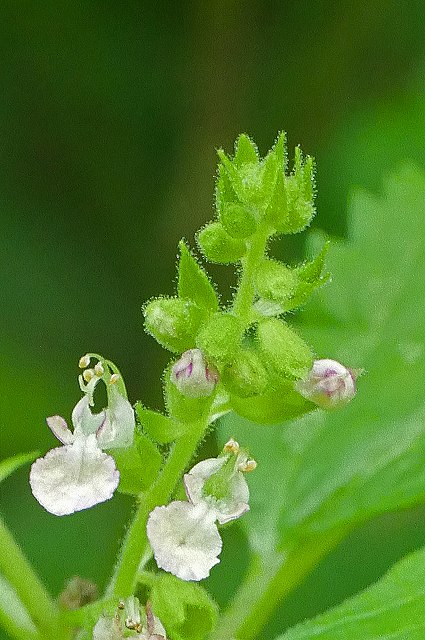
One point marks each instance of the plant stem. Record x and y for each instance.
(245, 293)
(268, 582)
(20, 575)
(124, 579)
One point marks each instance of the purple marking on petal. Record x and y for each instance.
(102, 425)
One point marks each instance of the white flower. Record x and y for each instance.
(79, 475)
(114, 426)
(234, 498)
(329, 384)
(74, 477)
(184, 539)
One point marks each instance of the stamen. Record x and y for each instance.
(84, 361)
(88, 375)
(231, 446)
(99, 370)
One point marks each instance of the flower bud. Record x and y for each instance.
(218, 246)
(329, 384)
(192, 376)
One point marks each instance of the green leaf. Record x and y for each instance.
(326, 472)
(344, 467)
(193, 282)
(159, 427)
(138, 465)
(9, 465)
(392, 608)
(184, 608)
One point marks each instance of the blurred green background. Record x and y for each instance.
(110, 114)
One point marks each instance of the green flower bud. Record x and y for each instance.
(275, 281)
(173, 322)
(219, 339)
(284, 351)
(246, 376)
(238, 221)
(217, 246)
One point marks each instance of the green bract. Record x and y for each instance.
(246, 375)
(185, 609)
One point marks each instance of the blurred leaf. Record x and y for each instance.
(335, 468)
(322, 474)
(13, 615)
(392, 608)
(9, 465)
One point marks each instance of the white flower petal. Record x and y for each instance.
(118, 428)
(84, 420)
(60, 429)
(184, 539)
(74, 477)
(227, 509)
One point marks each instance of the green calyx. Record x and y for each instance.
(284, 352)
(246, 376)
(219, 338)
(218, 246)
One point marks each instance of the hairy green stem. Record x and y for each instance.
(20, 575)
(245, 294)
(124, 579)
(268, 582)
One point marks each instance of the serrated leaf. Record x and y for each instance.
(326, 472)
(184, 608)
(9, 465)
(368, 457)
(193, 282)
(392, 608)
